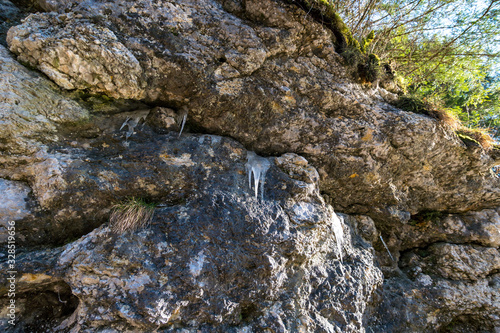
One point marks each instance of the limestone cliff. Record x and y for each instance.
(92, 100)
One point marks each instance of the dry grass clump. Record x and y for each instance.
(131, 215)
(423, 106)
(479, 136)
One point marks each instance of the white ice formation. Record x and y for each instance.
(338, 231)
(257, 166)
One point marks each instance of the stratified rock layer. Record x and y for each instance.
(268, 75)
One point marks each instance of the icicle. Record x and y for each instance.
(385, 245)
(183, 123)
(182, 118)
(257, 166)
(132, 124)
(125, 123)
(338, 231)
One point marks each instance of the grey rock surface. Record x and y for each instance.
(456, 262)
(95, 60)
(430, 304)
(217, 258)
(13, 206)
(258, 79)
(31, 108)
(10, 15)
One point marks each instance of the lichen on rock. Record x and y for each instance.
(78, 54)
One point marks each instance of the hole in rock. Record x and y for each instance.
(43, 308)
(249, 312)
(469, 323)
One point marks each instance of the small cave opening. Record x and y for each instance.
(42, 309)
(249, 312)
(468, 323)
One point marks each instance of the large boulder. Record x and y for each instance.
(266, 74)
(218, 256)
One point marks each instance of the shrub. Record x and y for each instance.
(372, 68)
(420, 105)
(131, 214)
(478, 136)
(365, 42)
(352, 56)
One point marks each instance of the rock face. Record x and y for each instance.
(244, 236)
(276, 86)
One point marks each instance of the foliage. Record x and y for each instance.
(131, 214)
(446, 50)
(366, 41)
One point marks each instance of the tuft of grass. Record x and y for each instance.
(419, 105)
(131, 214)
(478, 136)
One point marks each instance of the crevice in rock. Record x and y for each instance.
(426, 247)
(468, 323)
(249, 312)
(426, 217)
(451, 261)
(42, 308)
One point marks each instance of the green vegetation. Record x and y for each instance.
(131, 214)
(444, 51)
(353, 50)
(365, 42)
(418, 104)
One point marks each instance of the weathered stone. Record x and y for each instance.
(193, 271)
(455, 262)
(218, 258)
(10, 15)
(7, 9)
(437, 305)
(164, 120)
(276, 86)
(52, 5)
(30, 108)
(42, 299)
(215, 258)
(95, 60)
(481, 227)
(13, 206)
